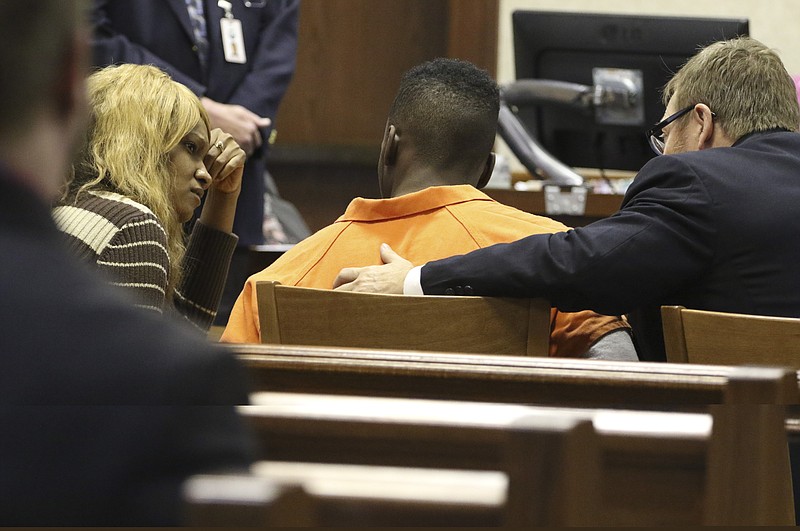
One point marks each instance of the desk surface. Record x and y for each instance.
(598, 206)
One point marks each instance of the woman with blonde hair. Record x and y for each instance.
(148, 160)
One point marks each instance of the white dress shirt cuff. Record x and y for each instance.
(412, 284)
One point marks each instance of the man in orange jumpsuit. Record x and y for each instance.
(436, 153)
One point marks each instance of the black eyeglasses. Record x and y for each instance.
(656, 135)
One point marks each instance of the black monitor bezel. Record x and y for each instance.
(640, 39)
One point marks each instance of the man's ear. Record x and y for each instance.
(704, 119)
(488, 168)
(390, 151)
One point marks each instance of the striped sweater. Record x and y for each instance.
(129, 245)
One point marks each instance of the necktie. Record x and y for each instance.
(198, 19)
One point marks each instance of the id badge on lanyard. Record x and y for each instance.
(232, 35)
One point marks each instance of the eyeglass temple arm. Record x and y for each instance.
(538, 161)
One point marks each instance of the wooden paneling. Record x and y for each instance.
(352, 53)
(473, 32)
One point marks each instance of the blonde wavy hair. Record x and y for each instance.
(138, 114)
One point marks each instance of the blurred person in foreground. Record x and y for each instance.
(105, 408)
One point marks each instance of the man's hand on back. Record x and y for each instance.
(387, 278)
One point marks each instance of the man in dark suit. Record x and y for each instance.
(105, 410)
(238, 56)
(711, 224)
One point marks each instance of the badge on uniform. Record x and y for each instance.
(232, 35)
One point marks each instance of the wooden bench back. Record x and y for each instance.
(520, 380)
(563, 466)
(489, 325)
(511, 379)
(245, 500)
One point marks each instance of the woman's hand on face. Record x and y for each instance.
(225, 162)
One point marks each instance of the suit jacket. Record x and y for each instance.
(105, 409)
(715, 229)
(159, 32)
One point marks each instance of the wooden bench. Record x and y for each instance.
(511, 379)
(700, 336)
(563, 466)
(347, 495)
(514, 379)
(239, 500)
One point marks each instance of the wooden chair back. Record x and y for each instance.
(306, 316)
(699, 336)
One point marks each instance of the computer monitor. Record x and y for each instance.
(572, 47)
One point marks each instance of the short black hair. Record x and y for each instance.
(450, 108)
